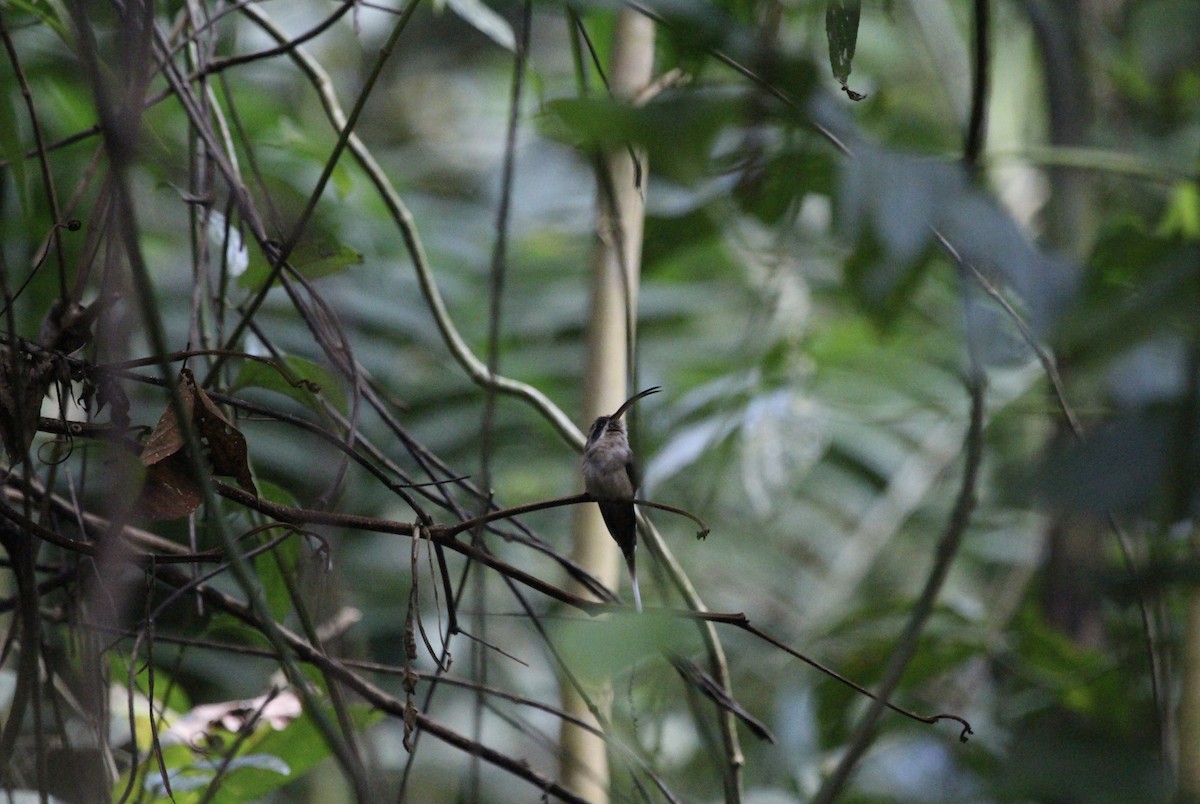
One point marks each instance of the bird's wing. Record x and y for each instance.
(621, 522)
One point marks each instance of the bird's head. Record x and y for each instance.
(613, 424)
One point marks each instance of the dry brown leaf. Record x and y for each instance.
(23, 383)
(171, 490)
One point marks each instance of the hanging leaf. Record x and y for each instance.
(171, 490)
(841, 28)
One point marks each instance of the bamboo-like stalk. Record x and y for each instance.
(616, 261)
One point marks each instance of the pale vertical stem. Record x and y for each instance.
(1189, 705)
(616, 260)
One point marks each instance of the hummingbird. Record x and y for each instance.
(611, 477)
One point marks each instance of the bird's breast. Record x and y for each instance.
(605, 475)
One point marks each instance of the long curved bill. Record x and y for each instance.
(633, 399)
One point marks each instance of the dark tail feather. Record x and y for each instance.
(621, 522)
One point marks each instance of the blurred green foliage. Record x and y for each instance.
(811, 333)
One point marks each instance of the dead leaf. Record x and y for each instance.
(171, 490)
(23, 383)
(226, 445)
(166, 438)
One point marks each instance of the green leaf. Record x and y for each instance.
(601, 649)
(271, 568)
(148, 776)
(11, 149)
(276, 570)
(786, 177)
(841, 29)
(267, 759)
(224, 627)
(324, 258)
(1138, 285)
(1062, 673)
(313, 259)
(1182, 217)
(175, 699)
(677, 129)
(295, 141)
(49, 12)
(1124, 256)
(296, 378)
(299, 747)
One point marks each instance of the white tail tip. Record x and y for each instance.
(637, 595)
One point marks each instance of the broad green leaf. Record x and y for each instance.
(297, 378)
(298, 747)
(601, 649)
(313, 259)
(786, 177)
(166, 691)
(189, 781)
(268, 758)
(677, 129)
(276, 569)
(267, 566)
(276, 494)
(227, 628)
(1125, 256)
(324, 258)
(294, 140)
